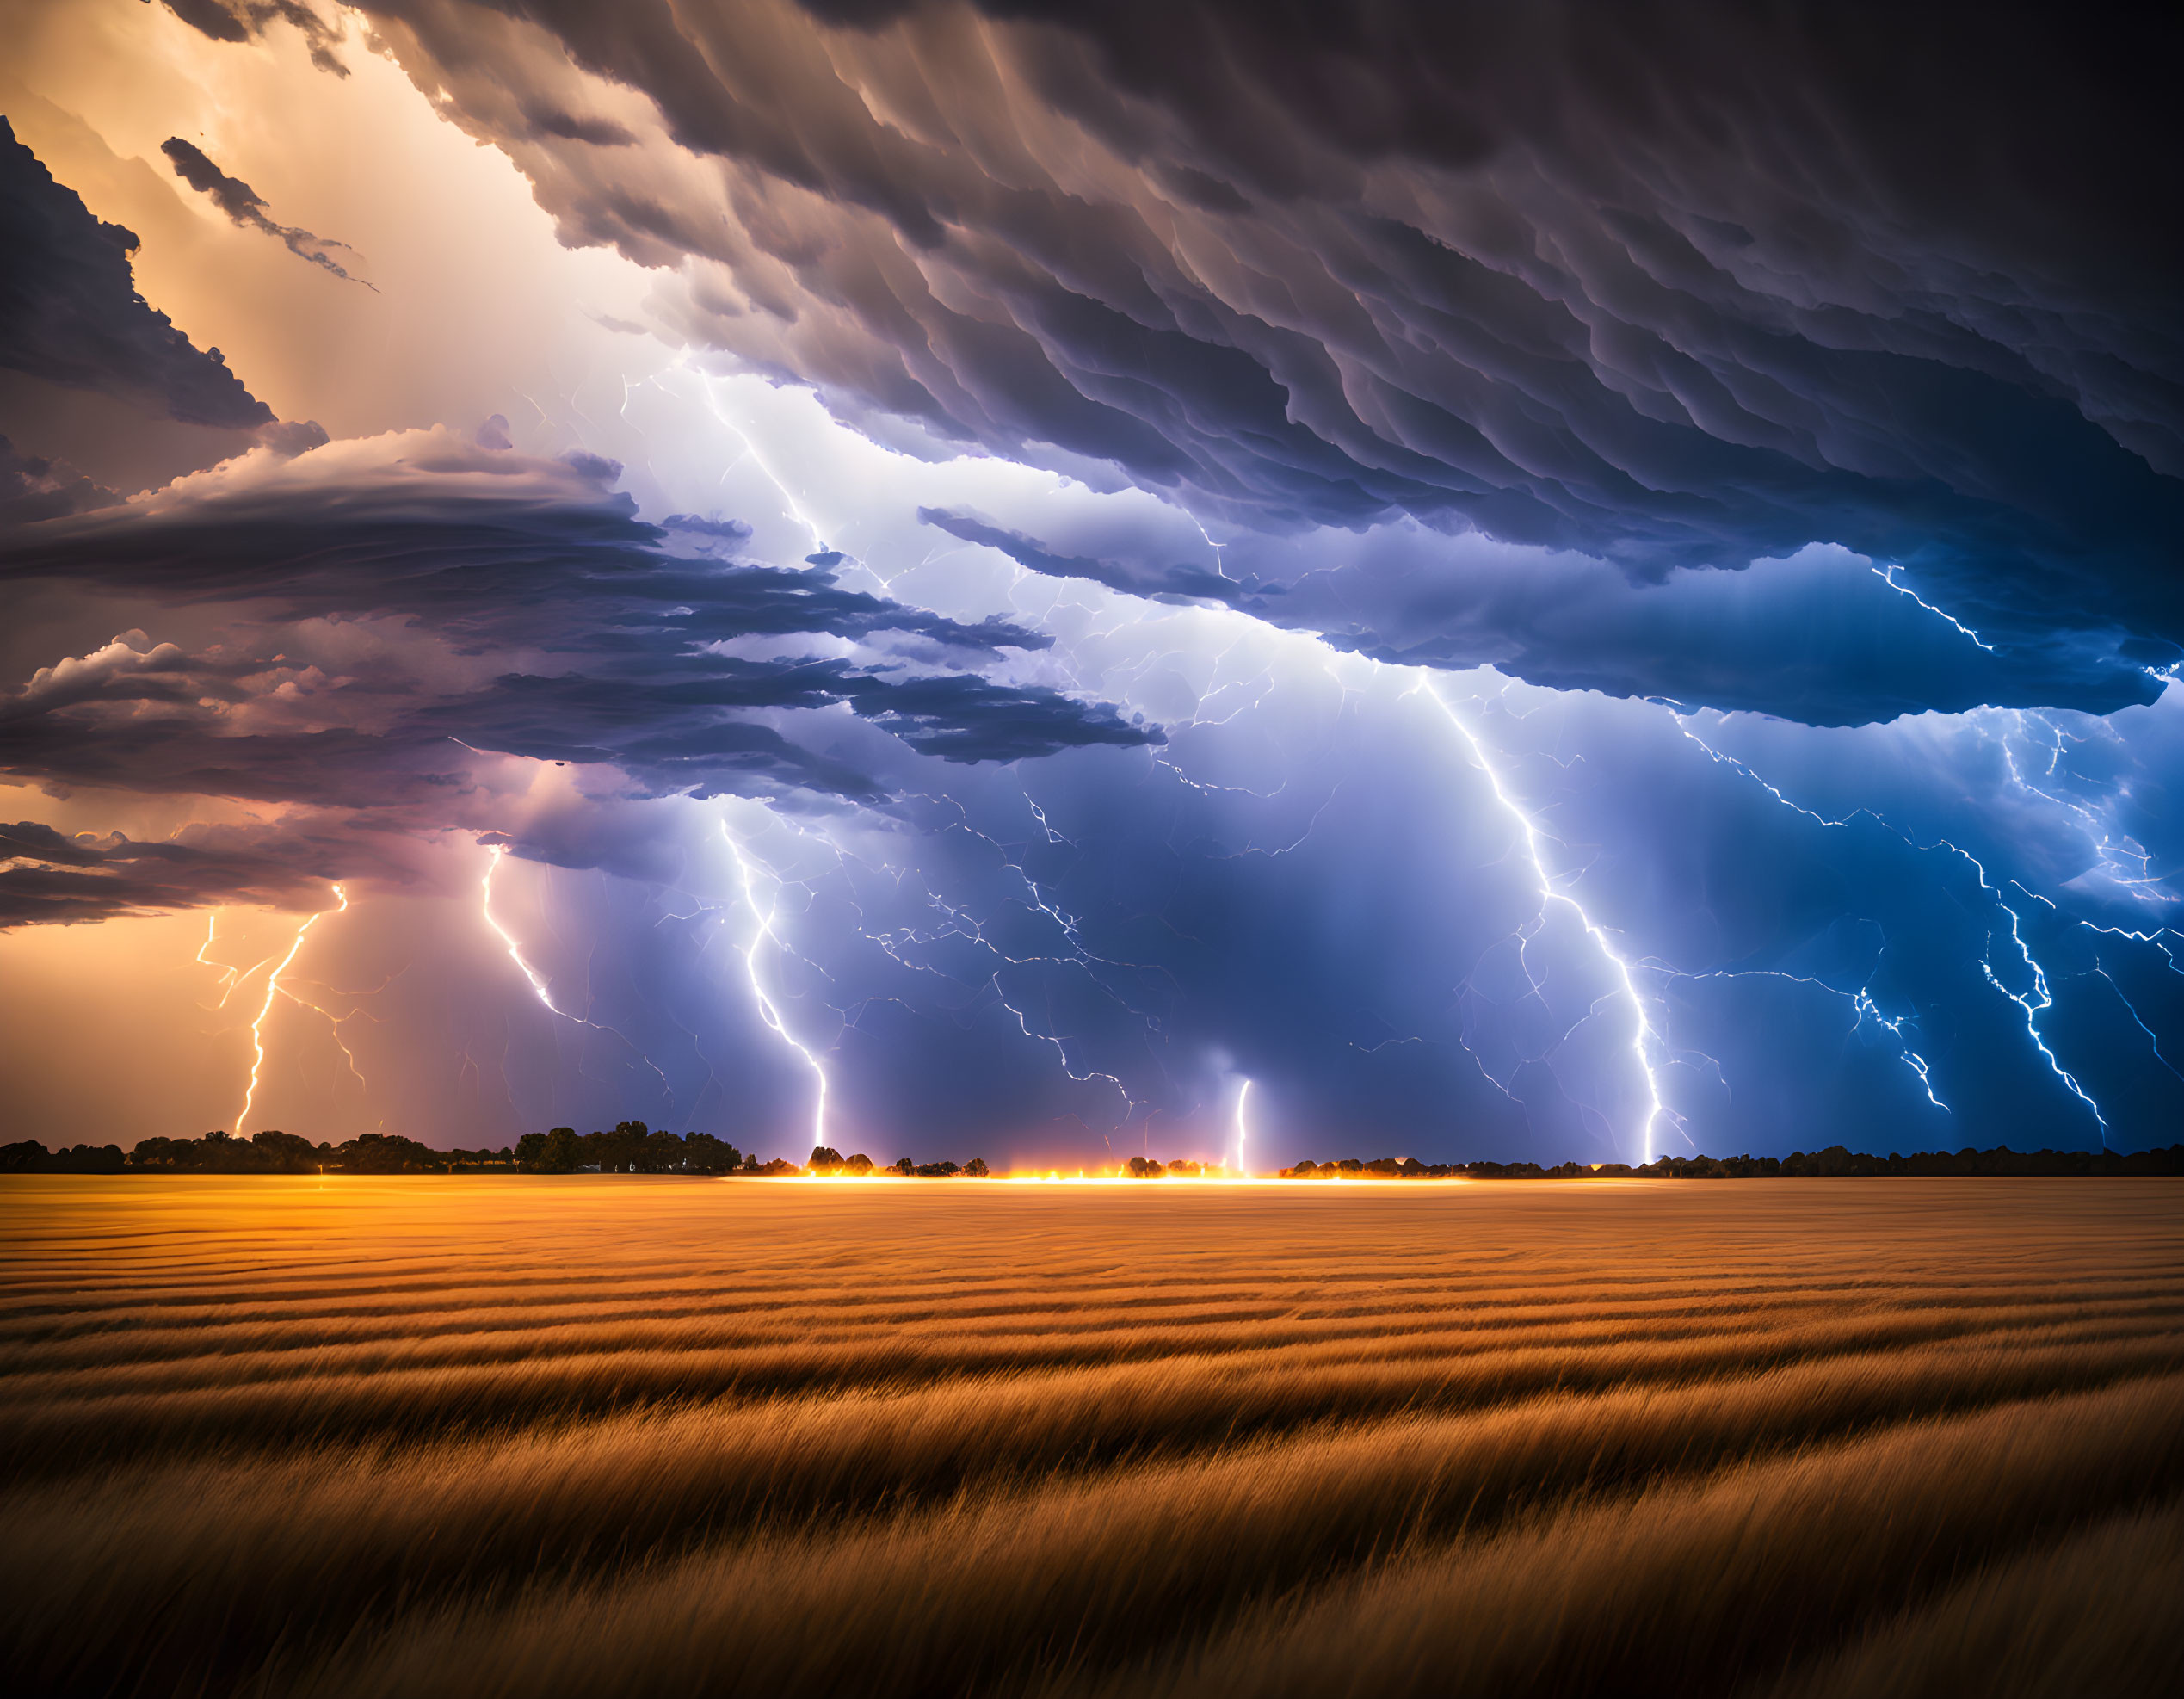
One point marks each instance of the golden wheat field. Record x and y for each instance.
(602, 1435)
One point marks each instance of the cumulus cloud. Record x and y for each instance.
(32, 487)
(70, 312)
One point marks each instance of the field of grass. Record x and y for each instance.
(602, 1435)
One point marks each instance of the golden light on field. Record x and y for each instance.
(494, 1435)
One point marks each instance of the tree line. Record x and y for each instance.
(631, 1147)
(1834, 1162)
(634, 1148)
(271, 1152)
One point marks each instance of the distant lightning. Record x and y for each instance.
(272, 991)
(2032, 1004)
(1242, 1091)
(1644, 1039)
(1887, 575)
(762, 931)
(495, 852)
(538, 985)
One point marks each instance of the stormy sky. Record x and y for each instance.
(946, 578)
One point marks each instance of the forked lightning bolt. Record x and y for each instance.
(272, 991)
(1645, 1039)
(762, 931)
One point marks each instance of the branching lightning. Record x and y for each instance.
(762, 932)
(2032, 1004)
(272, 991)
(1644, 1039)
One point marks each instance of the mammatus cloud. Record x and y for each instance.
(246, 207)
(70, 312)
(1664, 288)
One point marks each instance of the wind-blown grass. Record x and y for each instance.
(596, 1436)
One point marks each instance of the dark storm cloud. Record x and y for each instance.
(69, 311)
(247, 207)
(33, 488)
(1178, 582)
(1658, 284)
(45, 878)
(246, 21)
(1825, 638)
(480, 559)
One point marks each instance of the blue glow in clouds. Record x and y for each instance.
(1008, 608)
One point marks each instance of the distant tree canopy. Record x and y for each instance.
(29, 1156)
(273, 1151)
(1833, 1163)
(632, 1148)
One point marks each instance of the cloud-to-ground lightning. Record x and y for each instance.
(272, 991)
(1243, 1127)
(1645, 1039)
(762, 932)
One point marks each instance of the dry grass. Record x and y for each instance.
(604, 1436)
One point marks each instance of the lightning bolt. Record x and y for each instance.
(762, 932)
(2034, 1003)
(1644, 1039)
(272, 991)
(1887, 575)
(495, 852)
(539, 985)
(1242, 1091)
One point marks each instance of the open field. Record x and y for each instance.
(500, 1435)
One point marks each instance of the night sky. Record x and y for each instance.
(1054, 582)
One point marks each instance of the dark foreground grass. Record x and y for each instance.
(603, 1436)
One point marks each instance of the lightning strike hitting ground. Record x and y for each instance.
(1645, 1039)
(272, 991)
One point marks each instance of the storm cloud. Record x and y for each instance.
(69, 311)
(1548, 582)
(515, 606)
(1662, 287)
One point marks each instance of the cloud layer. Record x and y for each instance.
(1546, 583)
(69, 311)
(1661, 289)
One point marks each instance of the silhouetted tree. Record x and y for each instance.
(702, 1153)
(975, 1168)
